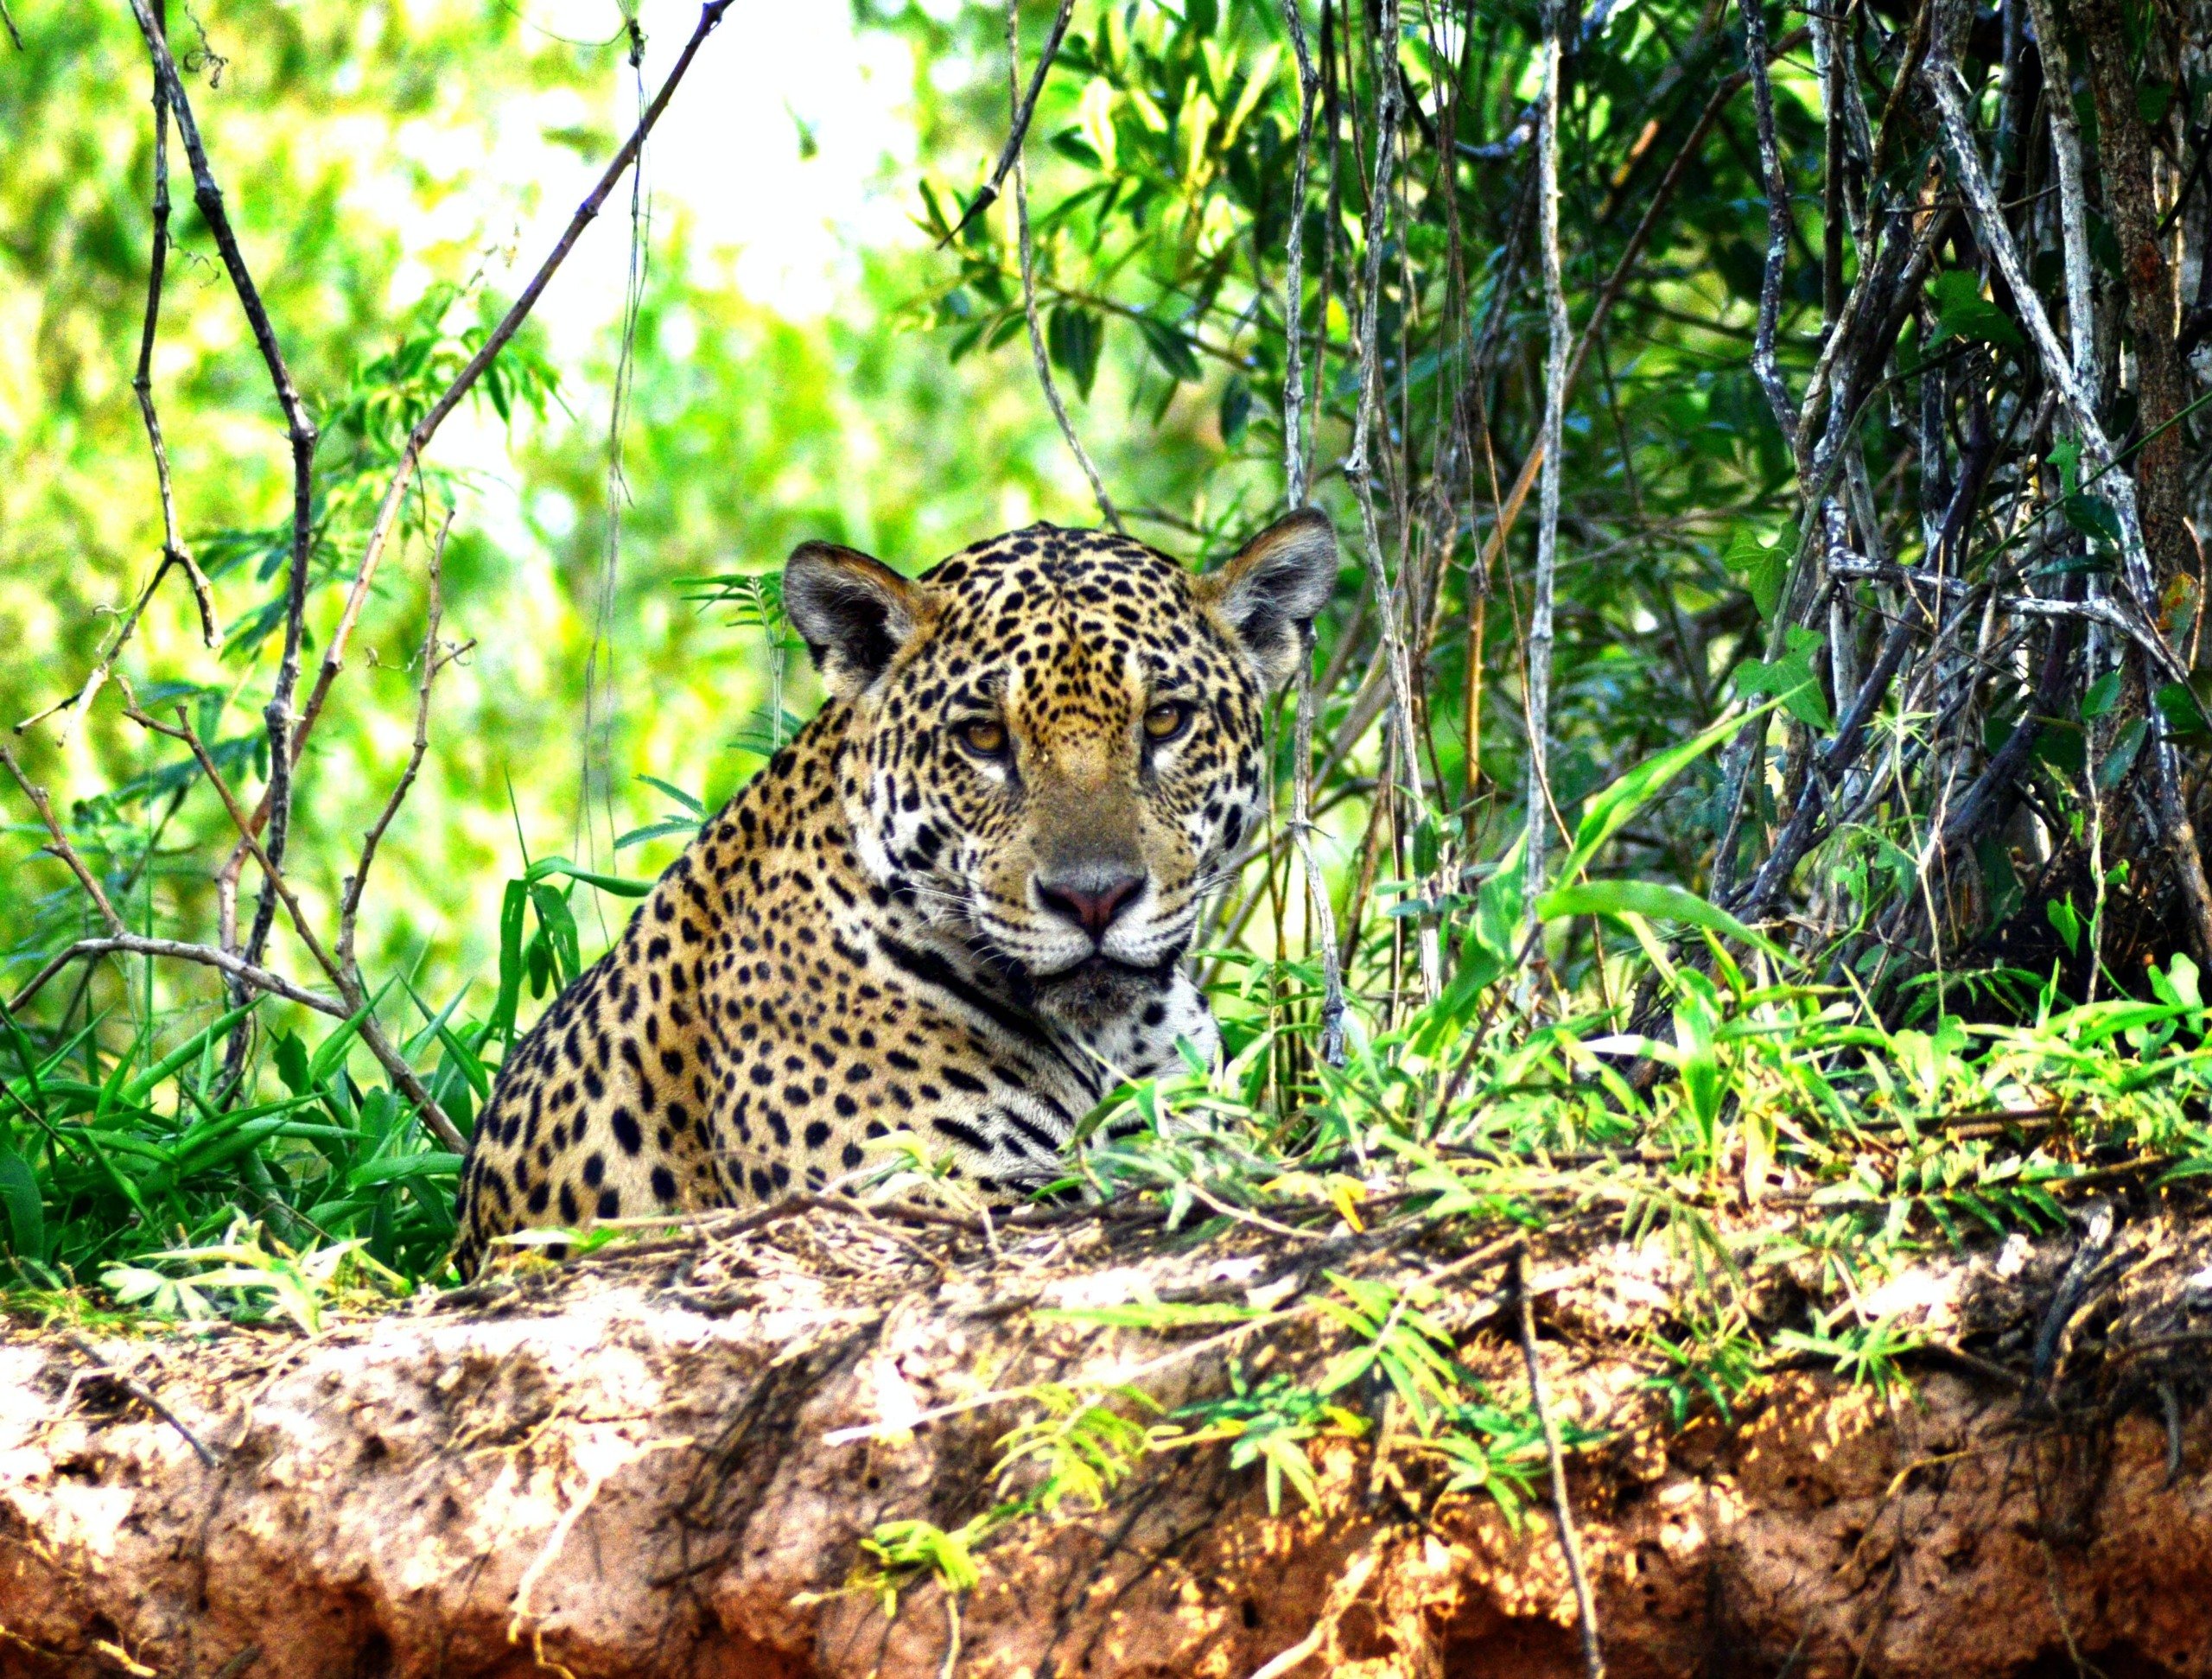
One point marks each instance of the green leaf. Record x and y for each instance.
(2103, 694)
(1169, 348)
(19, 1199)
(1763, 563)
(1656, 899)
(615, 884)
(1074, 336)
(678, 794)
(2093, 516)
(653, 831)
(2064, 746)
(291, 1057)
(513, 909)
(2063, 917)
(2122, 758)
(1612, 808)
(558, 923)
(1236, 409)
(1792, 678)
(2184, 712)
(145, 1084)
(2066, 457)
(1962, 312)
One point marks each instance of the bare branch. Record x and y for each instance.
(352, 995)
(174, 555)
(244, 973)
(1010, 154)
(1321, 921)
(1293, 310)
(1617, 283)
(1357, 469)
(1516, 1287)
(182, 730)
(1029, 254)
(61, 848)
(1537, 688)
(1777, 187)
(349, 907)
(300, 429)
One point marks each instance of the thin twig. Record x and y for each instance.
(104, 1371)
(1631, 254)
(1777, 187)
(174, 552)
(300, 430)
(1010, 154)
(60, 847)
(1357, 469)
(1321, 924)
(351, 992)
(1294, 294)
(1537, 686)
(1593, 1657)
(1029, 259)
(207, 956)
(349, 907)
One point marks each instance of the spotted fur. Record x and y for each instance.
(955, 906)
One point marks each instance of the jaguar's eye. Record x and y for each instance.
(982, 737)
(1166, 720)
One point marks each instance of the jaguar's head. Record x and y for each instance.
(1056, 739)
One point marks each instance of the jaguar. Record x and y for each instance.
(954, 911)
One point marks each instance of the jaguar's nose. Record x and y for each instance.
(1091, 898)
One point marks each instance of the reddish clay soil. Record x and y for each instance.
(627, 1467)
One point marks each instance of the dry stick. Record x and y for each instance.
(2074, 232)
(1294, 388)
(418, 440)
(349, 907)
(1593, 1657)
(600, 710)
(207, 956)
(175, 555)
(1321, 927)
(1029, 254)
(121, 940)
(182, 731)
(1537, 691)
(1010, 154)
(61, 848)
(1776, 185)
(1355, 469)
(301, 432)
(1942, 81)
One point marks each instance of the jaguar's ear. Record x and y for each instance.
(855, 613)
(1272, 591)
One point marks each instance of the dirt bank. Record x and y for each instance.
(630, 1467)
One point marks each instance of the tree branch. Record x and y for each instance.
(1025, 109)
